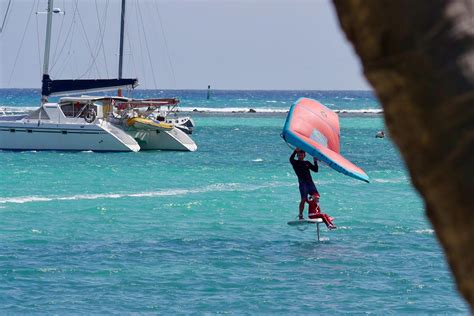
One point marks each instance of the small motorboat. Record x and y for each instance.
(184, 123)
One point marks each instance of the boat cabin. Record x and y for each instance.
(70, 110)
(86, 108)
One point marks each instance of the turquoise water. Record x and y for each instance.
(206, 232)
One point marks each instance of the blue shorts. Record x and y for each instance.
(307, 188)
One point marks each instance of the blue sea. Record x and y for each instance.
(206, 232)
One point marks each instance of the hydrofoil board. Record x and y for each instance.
(306, 221)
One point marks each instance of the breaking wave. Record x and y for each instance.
(270, 110)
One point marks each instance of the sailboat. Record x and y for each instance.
(72, 124)
(144, 119)
(137, 118)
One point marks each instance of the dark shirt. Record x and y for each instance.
(302, 168)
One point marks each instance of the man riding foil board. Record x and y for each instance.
(308, 192)
(314, 129)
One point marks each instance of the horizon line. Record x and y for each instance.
(205, 89)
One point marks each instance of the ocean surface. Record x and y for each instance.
(206, 232)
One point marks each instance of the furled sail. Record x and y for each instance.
(57, 87)
(314, 128)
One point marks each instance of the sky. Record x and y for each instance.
(183, 44)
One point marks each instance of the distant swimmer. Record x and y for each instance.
(306, 185)
(380, 134)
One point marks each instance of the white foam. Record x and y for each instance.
(258, 160)
(221, 187)
(24, 199)
(270, 110)
(343, 227)
(232, 110)
(425, 231)
(10, 110)
(360, 111)
(45, 270)
(396, 180)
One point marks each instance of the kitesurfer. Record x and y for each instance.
(306, 185)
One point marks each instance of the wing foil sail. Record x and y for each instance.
(314, 128)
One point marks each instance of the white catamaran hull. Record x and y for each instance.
(71, 137)
(174, 139)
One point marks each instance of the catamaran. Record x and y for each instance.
(149, 121)
(69, 124)
(139, 118)
(135, 118)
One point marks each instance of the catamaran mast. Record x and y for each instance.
(122, 28)
(47, 46)
(49, 25)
